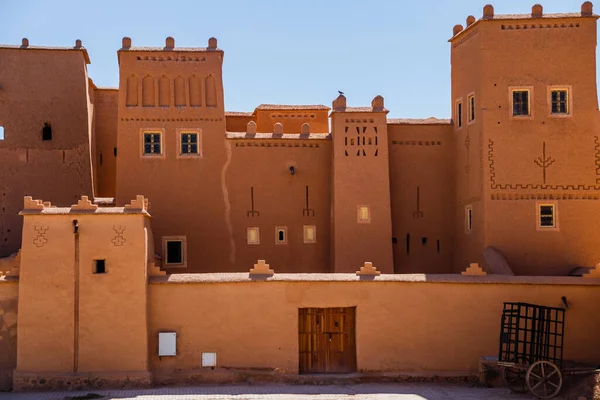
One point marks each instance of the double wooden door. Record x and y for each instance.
(327, 340)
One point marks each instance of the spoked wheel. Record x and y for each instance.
(543, 379)
(514, 379)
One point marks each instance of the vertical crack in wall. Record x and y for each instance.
(227, 203)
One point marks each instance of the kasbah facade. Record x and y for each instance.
(389, 245)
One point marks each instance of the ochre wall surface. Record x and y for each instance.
(58, 170)
(8, 331)
(425, 327)
(422, 193)
(105, 114)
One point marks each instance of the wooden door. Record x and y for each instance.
(327, 340)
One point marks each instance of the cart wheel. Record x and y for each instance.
(544, 379)
(514, 379)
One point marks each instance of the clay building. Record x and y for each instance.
(149, 236)
(315, 188)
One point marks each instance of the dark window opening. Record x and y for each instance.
(559, 102)
(472, 108)
(438, 246)
(407, 243)
(394, 240)
(424, 241)
(152, 143)
(47, 132)
(99, 266)
(115, 151)
(189, 143)
(100, 159)
(174, 252)
(547, 216)
(521, 102)
(281, 236)
(459, 114)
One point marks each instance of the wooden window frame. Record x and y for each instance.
(180, 133)
(183, 240)
(150, 156)
(458, 105)
(471, 108)
(248, 230)
(569, 90)
(530, 97)
(538, 207)
(305, 235)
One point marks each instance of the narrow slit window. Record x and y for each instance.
(152, 143)
(174, 252)
(521, 103)
(547, 217)
(1, 132)
(468, 219)
(459, 114)
(47, 132)
(560, 101)
(471, 108)
(99, 266)
(189, 143)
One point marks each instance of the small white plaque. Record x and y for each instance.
(167, 344)
(209, 359)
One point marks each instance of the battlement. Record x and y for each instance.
(537, 13)
(126, 45)
(26, 46)
(84, 206)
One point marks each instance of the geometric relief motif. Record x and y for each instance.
(119, 240)
(543, 162)
(365, 137)
(40, 240)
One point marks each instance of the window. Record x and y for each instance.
(546, 216)
(310, 234)
(468, 219)
(253, 236)
(280, 235)
(520, 100)
(99, 266)
(1, 132)
(47, 132)
(364, 214)
(471, 108)
(559, 99)
(174, 249)
(459, 114)
(152, 143)
(189, 143)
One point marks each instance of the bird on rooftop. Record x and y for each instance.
(340, 92)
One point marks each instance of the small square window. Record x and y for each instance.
(152, 145)
(471, 108)
(546, 215)
(364, 214)
(280, 235)
(174, 252)
(560, 101)
(310, 234)
(468, 219)
(99, 266)
(189, 143)
(521, 103)
(459, 114)
(47, 132)
(253, 236)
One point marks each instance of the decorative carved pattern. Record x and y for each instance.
(357, 121)
(119, 239)
(514, 186)
(40, 240)
(30, 204)
(474, 270)
(84, 205)
(417, 142)
(308, 212)
(292, 116)
(544, 162)
(275, 144)
(261, 268)
(182, 58)
(368, 270)
(252, 212)
(543, 196)
(418, 214)
(597, 147)
(137, 119)
(139, 204)
(538, 26)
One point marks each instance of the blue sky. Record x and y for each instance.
(278, 51)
